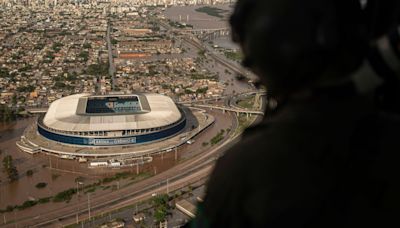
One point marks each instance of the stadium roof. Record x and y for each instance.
(63, 115)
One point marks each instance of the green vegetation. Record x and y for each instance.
(4, 72)
(25, 89)
(54, 176)
(218, 138)
(204, 144)
(118, 176)
(29, 173)
(7, 114)
(41, 185)
(15, 56)
(201, 52)
(57, 46)
(27, 204)
(234, 55)
(179, 25)
(139, 177)
(62, 85)
(64, 195)
(87, 45)
(165, 86)
(90, 190)
(244, 122)
(44, 200)
(202, 90)
(227, 71)
(247, 102)
(9, 208)
(40, 46)
(10, 168)
(84, 55)
(25, 68)
(161, 207)
(48, 58)
(212, 11)
(189, 91)
(98, 69)
(240, 77)
(72, 77)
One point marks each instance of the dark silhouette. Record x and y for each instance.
(328, 154)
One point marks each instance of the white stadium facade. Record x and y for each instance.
(111, 120)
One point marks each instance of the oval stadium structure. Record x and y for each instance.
(109, 120)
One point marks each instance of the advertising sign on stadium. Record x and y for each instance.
(116, 141)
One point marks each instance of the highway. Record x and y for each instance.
(183, 174)
(193, 41)
(194, 169)
(216, 57)
(186, 173)
(236, 110)
(111, 69)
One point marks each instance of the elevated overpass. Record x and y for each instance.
(205, 34)
(230, 109)
(37, 110)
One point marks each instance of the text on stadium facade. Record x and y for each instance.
(117, 141)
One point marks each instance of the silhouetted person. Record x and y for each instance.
(327, 156)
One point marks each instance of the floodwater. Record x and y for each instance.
(59, 174)
(226, 42)
(197, 19)
(19, 191)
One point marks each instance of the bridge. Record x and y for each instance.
(230, 109)
(37, 110)
(218, 98)
(260, 93)
(200, 31)
(206, 34)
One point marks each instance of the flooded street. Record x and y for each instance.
(197, 19)
(59, 174)
(24, 188)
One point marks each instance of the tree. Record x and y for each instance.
(87, 46)
(41, 185)
(29, 173)
(6, 114)
(161, 207)
(10, 168)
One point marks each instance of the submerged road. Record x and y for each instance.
(183, 174)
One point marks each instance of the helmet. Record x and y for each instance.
(294, 44)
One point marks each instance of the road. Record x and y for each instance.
(111, 69)
(200, 175)
(193, 168)
(191, 40)
(180, 175)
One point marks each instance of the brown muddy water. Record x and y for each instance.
(59, 174)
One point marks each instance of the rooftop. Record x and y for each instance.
(70, 113)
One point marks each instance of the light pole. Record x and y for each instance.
(89, 204)
(167, 186)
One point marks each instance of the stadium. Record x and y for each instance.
(111, 120)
